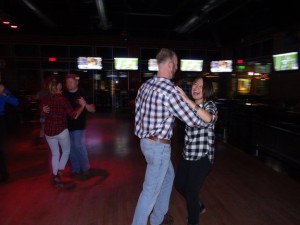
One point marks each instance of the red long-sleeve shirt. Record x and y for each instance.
(56, 119)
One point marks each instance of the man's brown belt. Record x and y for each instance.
(165, 141)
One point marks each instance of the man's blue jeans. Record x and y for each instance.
(78, 154)
(158, 183)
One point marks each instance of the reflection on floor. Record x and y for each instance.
(292, 171)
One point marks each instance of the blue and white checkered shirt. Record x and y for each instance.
(199, 141)
(156, 104)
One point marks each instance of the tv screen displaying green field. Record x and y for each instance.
(286, 61)
(191, 65)
(126, 63)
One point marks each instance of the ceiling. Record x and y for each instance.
(221, 21)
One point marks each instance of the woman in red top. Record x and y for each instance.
(56, 109)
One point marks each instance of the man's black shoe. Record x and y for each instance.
(202, 208)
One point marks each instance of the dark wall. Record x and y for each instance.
(285, 86)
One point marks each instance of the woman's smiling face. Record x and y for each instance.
(197, 90)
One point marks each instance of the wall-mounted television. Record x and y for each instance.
(152, 65)
(126, 63)
(221, 66)
(286, 61)
(192, 65)
(89, 63)
(262, 68)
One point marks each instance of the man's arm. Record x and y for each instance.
(9, 98)
(90, 108)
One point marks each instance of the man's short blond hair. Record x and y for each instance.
(164, 54)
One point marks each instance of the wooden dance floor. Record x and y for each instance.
(240, 190)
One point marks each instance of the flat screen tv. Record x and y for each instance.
(89, 63)
(262, 68)
(286, 61)
(126, 63)
(192, 65)
(221, 66)
(152, 65)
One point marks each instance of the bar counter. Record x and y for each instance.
(261, 127)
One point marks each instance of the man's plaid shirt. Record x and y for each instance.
(199, 141)
(157, 103)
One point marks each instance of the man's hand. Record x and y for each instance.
(182, 93)
(81, 101)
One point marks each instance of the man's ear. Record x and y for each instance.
(170, 64)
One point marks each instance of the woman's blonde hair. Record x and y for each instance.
(52, 85)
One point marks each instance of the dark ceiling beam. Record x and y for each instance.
(229, 13)
(39, 13)
(199, 16)
(104, 24)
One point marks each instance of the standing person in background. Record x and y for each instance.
(78, 156)
(157, 104)
(5, 97)
(198, 152)
(56, 109)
